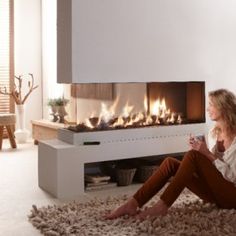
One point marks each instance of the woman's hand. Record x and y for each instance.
(200, 145)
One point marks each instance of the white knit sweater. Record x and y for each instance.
(226, 162)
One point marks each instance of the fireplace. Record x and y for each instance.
(159, 104)
(62, 160)
(156, 110)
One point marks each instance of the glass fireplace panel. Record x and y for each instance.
(134, 105)
(186, 98)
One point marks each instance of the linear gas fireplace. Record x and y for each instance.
(139, 120)
(151, 104)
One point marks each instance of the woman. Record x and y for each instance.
(211, 175)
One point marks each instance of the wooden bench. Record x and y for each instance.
(45, 130)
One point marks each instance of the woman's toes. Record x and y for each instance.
(129, 208)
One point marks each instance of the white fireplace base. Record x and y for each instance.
(61, 164)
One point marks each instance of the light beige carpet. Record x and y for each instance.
(188, 216)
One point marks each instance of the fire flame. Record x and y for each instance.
(127, 110)
(158, 114)
(145, 103)
(88, 124)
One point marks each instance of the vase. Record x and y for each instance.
(21, 132)
(54, 113)
(61, 113)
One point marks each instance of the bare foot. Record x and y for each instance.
(129, 208)
(159, 209)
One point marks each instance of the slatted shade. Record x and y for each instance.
(6, 54)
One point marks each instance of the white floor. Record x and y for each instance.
(19, 189)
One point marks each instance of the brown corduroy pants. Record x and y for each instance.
(197, 173)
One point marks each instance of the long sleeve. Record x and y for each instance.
(226, 161)
(227, 164)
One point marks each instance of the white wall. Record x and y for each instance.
(28, 52)
(150, 40)
(49, 54)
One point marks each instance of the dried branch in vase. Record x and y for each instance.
(16, 92)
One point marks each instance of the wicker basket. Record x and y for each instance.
(125, 177)
(144, 172)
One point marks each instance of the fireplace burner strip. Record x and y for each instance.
(129, 135)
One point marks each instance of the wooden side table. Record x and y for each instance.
(45, 130)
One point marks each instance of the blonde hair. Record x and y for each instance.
(225, 102)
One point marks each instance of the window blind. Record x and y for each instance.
(6, 54)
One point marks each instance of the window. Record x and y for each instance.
(6, 54)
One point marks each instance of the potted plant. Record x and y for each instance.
(52, 104)
(58, 108)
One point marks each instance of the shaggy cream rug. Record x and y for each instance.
(188, 216)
